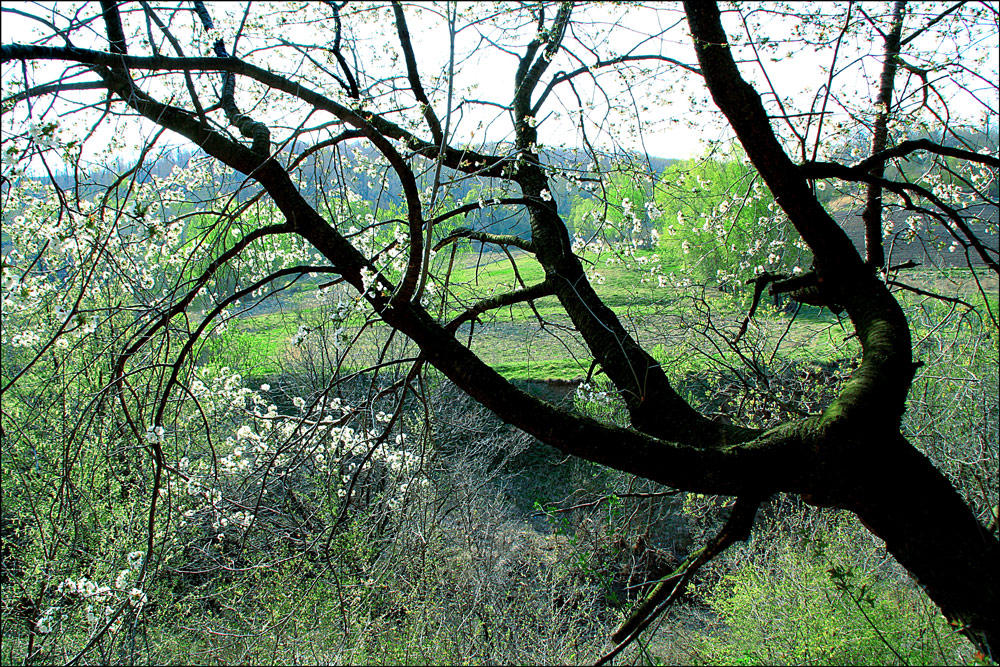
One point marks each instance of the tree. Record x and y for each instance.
(723, 212)
(261, 117)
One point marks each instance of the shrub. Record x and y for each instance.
(828, 599)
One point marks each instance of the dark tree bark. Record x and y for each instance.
(872, 214)
(873, 470)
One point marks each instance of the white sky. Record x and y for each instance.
(666, 135)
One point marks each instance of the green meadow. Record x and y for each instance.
(538, 341)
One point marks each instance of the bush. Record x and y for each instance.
(829, 599)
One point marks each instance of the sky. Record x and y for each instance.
(680, 123)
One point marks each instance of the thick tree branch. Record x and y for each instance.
(654, 406)
(886, 370)
(413, 76)
(913, 505)
(542, 289)
(248, 127)
(113, 25)
(681, 461)
(899, 495)
(872, 214)
(904, 148)
(851, 456)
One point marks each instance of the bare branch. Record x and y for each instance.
(906, 147)
(737, 529)
(562, 77)
(49, 88)
(542, 289)
(485, 237)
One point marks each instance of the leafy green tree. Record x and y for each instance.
(720, 220)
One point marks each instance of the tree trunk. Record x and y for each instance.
(869, 467)
(927, 527)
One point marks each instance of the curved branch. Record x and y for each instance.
(909, 38)
(528, 77)
(485, 237)
(264, 169)
(923, 520)
(195, 101)
(326, 143)
(414, 76)
(906, 147)
(182, 305)
(351, 88)
(878, 390)
(561, 77)
(759, 284)
(465, 208)
(542, 289)
(207, 320)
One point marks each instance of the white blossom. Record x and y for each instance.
(154, 434)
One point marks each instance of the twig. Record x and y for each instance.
(737, 528)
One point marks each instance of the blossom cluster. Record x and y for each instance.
(103, 601)
(339, 445)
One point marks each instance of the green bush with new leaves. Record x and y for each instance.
(832, 597)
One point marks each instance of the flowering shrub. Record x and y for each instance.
(209, 476)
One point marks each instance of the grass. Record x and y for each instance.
(478, 275)
(257, 342)
(512, 341)
(551, 369)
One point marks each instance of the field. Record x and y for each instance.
(522, 342)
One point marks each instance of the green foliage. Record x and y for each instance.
(553, 369)
(721, 222)
(822, 599)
